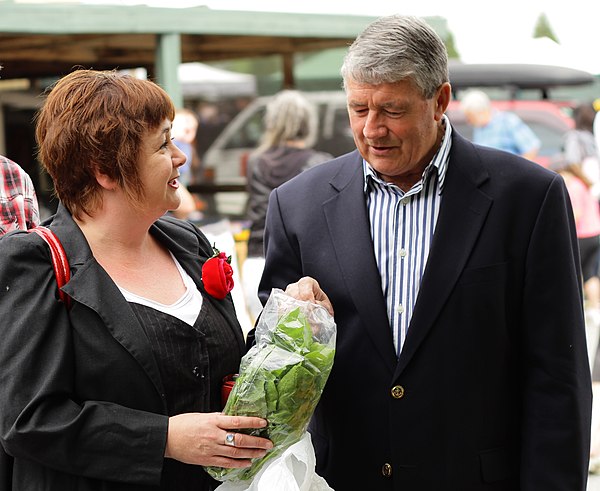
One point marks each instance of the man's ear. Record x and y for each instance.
(442, 99)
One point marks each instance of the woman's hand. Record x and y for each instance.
(200, 439)
(308, 289)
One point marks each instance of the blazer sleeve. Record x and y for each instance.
(556, 384)
(281, 253)
(41, 417)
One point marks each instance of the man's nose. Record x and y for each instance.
(374, 127)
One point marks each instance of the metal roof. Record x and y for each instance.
(48, 39)
(39, 40)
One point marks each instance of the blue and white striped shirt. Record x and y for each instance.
(402, 227)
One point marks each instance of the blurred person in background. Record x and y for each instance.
(188, 208)
(18, 202)
(284, 152)
(123, 390)
(212, 118)
(596, 127)
(453, 271)
(19, 210)
(503, 130)
(587, 223)
(185, 127)
(580, 147)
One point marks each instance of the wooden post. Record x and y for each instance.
(168, 58)
(288, 71)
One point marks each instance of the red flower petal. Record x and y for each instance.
(217, 276)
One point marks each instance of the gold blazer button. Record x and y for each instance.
(397, 392)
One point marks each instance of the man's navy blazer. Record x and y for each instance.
(492, 388)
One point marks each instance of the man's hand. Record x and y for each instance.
(308, 289)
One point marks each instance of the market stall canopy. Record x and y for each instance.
(48, 39)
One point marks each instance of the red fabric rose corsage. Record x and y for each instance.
(217, 275)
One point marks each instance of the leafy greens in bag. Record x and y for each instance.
(283, 375)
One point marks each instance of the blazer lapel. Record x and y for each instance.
(91, 286)
(186, 248)
(348, 224)
(463, 212)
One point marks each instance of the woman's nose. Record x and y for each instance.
(179, 158)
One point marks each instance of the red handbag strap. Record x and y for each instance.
(60, 263)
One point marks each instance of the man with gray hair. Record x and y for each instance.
(453, 271)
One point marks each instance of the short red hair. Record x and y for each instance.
(95, 121)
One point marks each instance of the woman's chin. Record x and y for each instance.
(174, 206)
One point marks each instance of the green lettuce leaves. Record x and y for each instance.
(281, 379)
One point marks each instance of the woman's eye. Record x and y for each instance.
(166, 143)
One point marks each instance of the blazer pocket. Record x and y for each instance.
(496, 464)
(494, 273)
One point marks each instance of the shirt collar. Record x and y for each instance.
(439, 161)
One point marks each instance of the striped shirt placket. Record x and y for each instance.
(402, 227)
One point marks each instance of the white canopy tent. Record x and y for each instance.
(208, 82)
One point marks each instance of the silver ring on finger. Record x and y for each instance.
(230, 439)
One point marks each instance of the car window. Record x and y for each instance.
(551, 138)
(248, 134)
(336, 135)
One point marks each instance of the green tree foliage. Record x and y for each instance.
(543, 29)
(259, 66)
(450, 46)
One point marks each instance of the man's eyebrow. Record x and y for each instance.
(385, 105)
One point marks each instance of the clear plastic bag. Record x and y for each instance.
(282, 376)
(294, 470)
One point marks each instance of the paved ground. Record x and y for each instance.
(594, 482)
